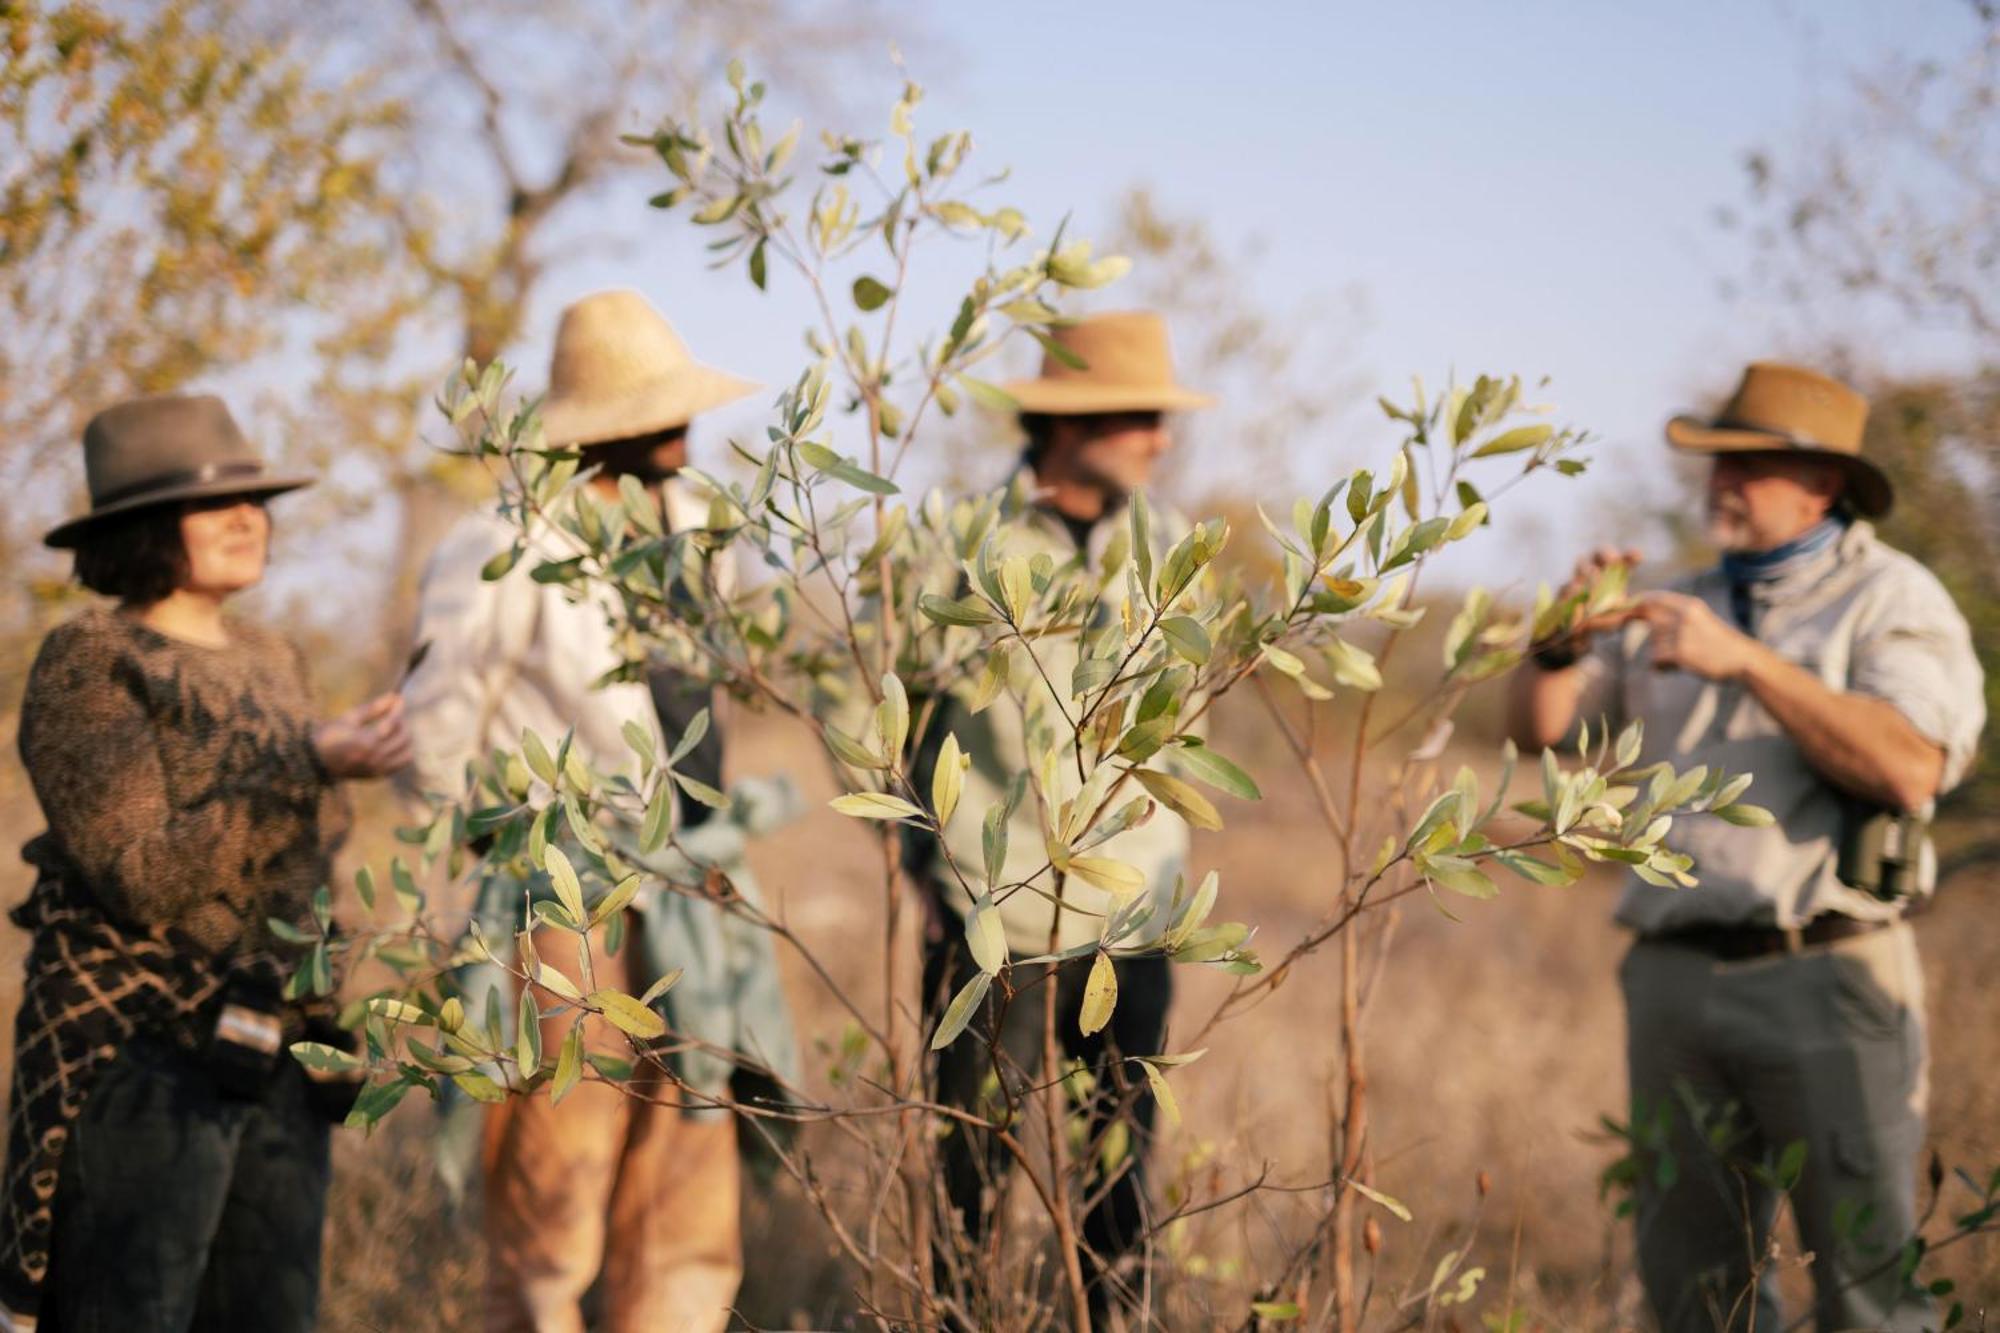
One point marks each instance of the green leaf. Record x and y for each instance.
(375, 1102)
(287, 932)
(1180, 797)
(326, 1059)
(870, 294)
(1460, 876)
(1215, 770)
(892, 715)
(569, 1064)
(851, 751)
(659, 814)
(661, 985)
(1100, 995)
(621, 896)
(1514, 441)
(959, 1012)
(555, 914)
(500, 565)
(1185, 635)
(702, 792)
(1791, 1164)
(568, 889)
(1532, 868)
(1277, 1311)
(528, 1035)
(539, 760)
(627, 1014)
(1746, 816)
(1058, 351)
(968, 611)
(993, 841)
(862, 479)
(697, 728)
(757, 265)
(364, 885)
(874, 805)
(480, 1088)
(989, 396)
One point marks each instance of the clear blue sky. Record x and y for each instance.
(1522, 187)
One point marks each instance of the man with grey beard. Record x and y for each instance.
(1780, 1003)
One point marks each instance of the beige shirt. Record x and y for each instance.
(1010, 733)
(514, 654)
(1866, 620)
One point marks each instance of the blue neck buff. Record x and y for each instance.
(1744, 569)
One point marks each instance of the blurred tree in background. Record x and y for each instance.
(1894, 207)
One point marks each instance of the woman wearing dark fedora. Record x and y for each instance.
(166, 1159)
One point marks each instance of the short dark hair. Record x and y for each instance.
(135, 557)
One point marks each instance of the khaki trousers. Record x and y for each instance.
(1731, 1062)
(609, 1180)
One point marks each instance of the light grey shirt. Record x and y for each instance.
(1866, 620)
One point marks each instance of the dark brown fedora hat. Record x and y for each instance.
(1785, 409)
(151, 451)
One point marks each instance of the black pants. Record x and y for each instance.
(1117, 1218)
(180, 1208)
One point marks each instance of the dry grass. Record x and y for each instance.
(1494, 1045)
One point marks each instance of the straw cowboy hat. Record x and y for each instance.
(156, 450)
(1786, 409)
(1126, 368)
(621, 371)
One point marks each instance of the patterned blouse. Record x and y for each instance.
(186, 806)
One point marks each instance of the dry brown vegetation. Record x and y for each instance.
(1495, 1044)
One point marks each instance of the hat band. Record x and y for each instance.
(166, 481)
(1793, 438)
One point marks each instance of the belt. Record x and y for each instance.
(1738, 942)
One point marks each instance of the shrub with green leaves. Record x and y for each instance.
(872, 607)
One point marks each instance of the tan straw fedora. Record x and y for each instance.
(620, 371)
(1784, 409)
(1126, 368)
(166, 448)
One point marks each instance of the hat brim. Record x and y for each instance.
(580, 422)
(1869, 489)
(1062, 398)
(68, 534)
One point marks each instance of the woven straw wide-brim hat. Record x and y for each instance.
(1787, 409)
(620, 371)
(1126, 367)
(162, 449)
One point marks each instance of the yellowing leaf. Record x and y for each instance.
(1100, 995)
(1162, 1094)
(874, 805)
(563, 876)
(1180, 797)
(1378, 1196)
(984, 936)
(627, 1014)
(960, 1011)
(948, 781)
(569, 1064)
(1114, 877)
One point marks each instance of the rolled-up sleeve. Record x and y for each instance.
(1914, 651)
